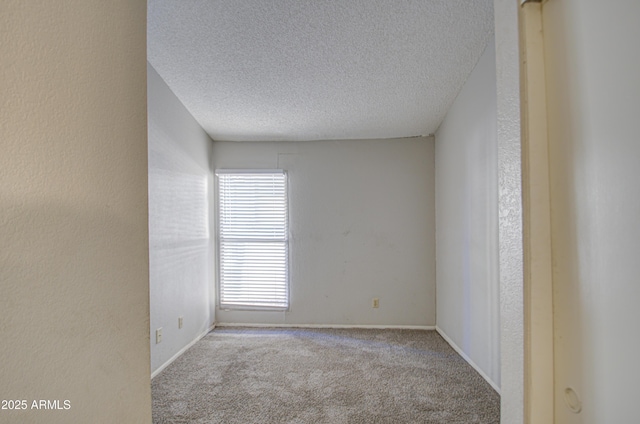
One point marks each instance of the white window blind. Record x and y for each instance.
(253, 239)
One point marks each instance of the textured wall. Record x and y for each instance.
(510, 240)
(73, 194)
(467, 220)
(362, 226)
(180, 221)
(593, 63)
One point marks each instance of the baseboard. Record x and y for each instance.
(397, 327)
(183, 350)
(466, 358)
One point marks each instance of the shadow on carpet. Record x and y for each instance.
(267, 375)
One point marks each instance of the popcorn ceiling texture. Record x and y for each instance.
(308, 70)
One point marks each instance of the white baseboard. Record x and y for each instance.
(397, 327)
(466, 358)
(183, 350)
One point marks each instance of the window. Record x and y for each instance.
(253, 242)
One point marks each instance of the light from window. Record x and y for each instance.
(253, 240)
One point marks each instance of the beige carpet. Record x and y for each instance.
(243, 375)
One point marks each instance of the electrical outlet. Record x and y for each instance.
(376, 302)
(179, 322)
(158, 335)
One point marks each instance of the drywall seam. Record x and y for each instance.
(468, 359)
(181, 351)
(380, 327)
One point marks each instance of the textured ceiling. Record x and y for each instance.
(317, 69)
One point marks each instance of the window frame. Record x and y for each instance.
(218, 285)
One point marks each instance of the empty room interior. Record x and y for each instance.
(319, 211)
(379, 120)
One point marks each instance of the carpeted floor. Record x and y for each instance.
(248, 375)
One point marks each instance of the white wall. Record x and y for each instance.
(468, 301)
(510, 221)
(73, 195)
(362, 226)
(593, 64)
(180, 209)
